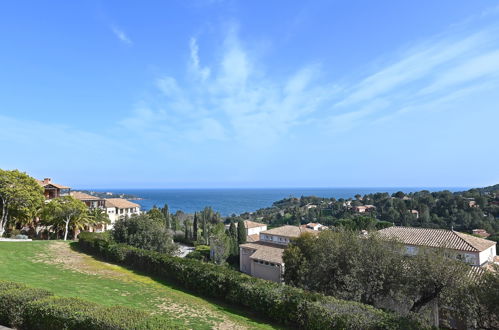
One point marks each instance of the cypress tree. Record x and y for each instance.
(234, 246)
(241, 232)
(166, 213)
(195, 227)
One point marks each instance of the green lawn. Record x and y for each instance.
(55, 266)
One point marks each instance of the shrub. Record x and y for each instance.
(14, 301)
(201, 252)
(281, 303)
(28, 308)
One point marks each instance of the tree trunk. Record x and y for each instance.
(3, 219)
(66, 229)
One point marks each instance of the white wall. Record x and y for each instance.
(256, 230)
(487, 255)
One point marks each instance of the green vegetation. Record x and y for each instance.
(23, 307)
(20, 197)
(374, 271)
(463, 211)
(281, 303)
(54, 266)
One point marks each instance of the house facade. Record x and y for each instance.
(92, 202)
(53, 190)
(263, 258)
(473, 250)
(117, 208)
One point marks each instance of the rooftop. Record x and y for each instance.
(252, 224)
(120, 203)
(289, 231)
(48, 181)
(437, 238)
(84, 197)
(265, 251)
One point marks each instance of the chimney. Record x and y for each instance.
(47, 180)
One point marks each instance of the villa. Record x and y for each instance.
(263, 258)
(473, 250)
(117, 208)
(53, 190)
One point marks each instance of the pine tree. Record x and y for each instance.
(241, 232)
(195, 227)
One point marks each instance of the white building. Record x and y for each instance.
(475, 251)
(117, 208)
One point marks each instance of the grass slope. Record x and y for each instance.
(55, 266)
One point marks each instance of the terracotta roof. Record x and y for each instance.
(84, 197)
(437, 238)
(252, 224)
(253, 238)
(59, 186)
(288, 231)
(120, 203)
(265, 251)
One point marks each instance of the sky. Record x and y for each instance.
(214, 93)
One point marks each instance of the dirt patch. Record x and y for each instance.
(60, 253)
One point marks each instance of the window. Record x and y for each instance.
(411, 250)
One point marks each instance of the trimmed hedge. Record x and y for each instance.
(282, 303)
(28, 308)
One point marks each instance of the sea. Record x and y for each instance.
(236, 201)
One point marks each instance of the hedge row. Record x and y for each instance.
(284, 304)
(22, 307)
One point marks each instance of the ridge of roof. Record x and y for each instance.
(437, 238)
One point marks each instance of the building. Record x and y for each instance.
(92, 202)
(475, 251)
(53, 190)
(117, 208)
(314, 226)
(263, 258)
(481, 232)
(363, 208)
(253, 230)
(415, 213)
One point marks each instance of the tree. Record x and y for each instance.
(97, 216)
(195, 228)
(219, 244)
(156, 214)
(167, 216)
(234, 249)
(19, 193)
(66, 210)
(145, 233)
(241, 232)
(370, 270)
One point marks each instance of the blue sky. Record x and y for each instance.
(159, 94)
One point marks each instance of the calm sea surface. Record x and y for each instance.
(229, 201)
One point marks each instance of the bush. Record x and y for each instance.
(201, 252)
(288, 305)
(28, 308)
(14, 301)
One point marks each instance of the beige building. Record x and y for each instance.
(263, 258)
(314, 226)
(475, 251)
(92, 202)
(117, 208)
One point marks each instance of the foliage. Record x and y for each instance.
(220, 244)
(241, 232)
(20, 196)
(201, 252)
(370, 270)
(477, 301)
(64, 212)
(143, 232)
(27, 308)
(282, 303)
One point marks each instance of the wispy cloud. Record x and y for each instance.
(236, 102)
(121, 35)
